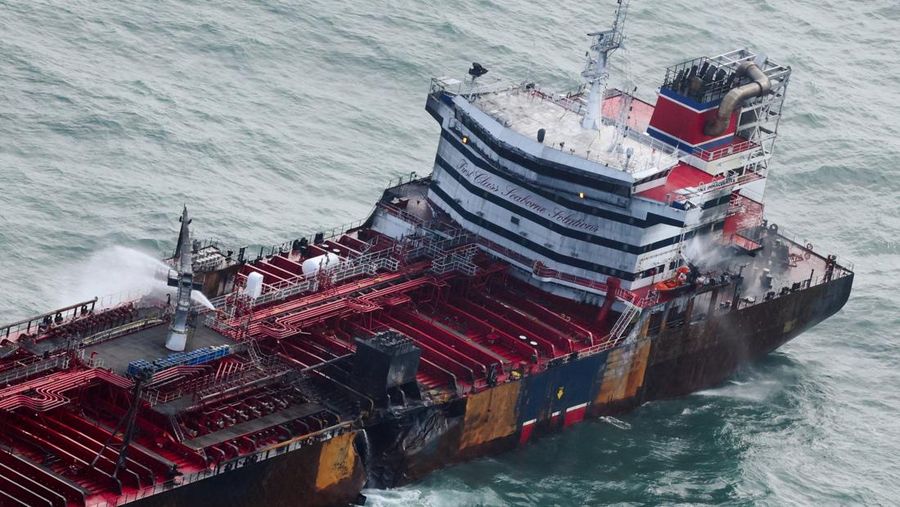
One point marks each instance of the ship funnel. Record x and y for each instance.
(734, 98)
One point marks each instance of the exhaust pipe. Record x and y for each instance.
(733, 99)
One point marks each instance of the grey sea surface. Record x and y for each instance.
(275, 119)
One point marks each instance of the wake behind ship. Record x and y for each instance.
(570, 255)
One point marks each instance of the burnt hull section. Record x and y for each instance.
(507, 416)
(676, 362)
(403, 446)
(327, 473)
(704, 354)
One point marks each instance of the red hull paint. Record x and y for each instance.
(574, 414)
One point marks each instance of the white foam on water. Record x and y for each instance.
(618, 423)
(756, 391)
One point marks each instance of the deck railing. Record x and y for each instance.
(34, 366)
(261, 455)
(541, 271)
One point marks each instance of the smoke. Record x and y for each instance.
(710, 256)
(706, 253)
(122, 273)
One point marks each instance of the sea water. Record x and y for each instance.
(275, 119)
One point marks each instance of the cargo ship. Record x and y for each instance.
(570, 255)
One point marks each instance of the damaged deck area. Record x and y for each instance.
(287, 370)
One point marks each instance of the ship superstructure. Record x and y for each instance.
(518, 167)
(571, 255)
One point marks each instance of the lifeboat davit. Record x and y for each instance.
(676, 283)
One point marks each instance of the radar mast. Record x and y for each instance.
(595, 71)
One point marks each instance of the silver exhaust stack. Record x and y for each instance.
(734, 98)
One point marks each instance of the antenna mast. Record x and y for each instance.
(595, 72)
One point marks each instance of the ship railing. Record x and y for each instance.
(607, 343)
(177, 428)
(90, 361)
(405, 179)
(543, 272)
(327, 234)
(286, 289)
(573, 101)
(621, 326)
(568, 101)
(265, 367)
(843, 266)
(368, 263)
(654, 144)
(436, 249)
(340, 230)
(734, 149)
(718, 185)
(115, 332)
(799, 249)
(666, 153)
(469, 88)
(234, 463)
(119, 298)
(459, 260)
(399, 213)
(29, 368)
(452, 250)
(12, 330)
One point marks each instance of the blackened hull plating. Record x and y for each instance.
(401, 450)
(674, 363)
(700, 356)
(328, 473)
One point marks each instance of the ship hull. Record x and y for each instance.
(402, 449)
(323, 474)
(702, 356)
(674, 363)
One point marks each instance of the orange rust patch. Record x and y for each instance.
(490, 414)
(638, 367)
(337, 460)
(624, 373)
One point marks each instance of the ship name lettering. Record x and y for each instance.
(513, 194)
(570, 219)
(485, 181)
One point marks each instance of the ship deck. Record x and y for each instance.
(252, 426)
(149, 344)
(290, 372)
(682, 177)
(528, 111)
(753, 254)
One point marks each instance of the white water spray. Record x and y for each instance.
(199, 297)
(127, 272)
